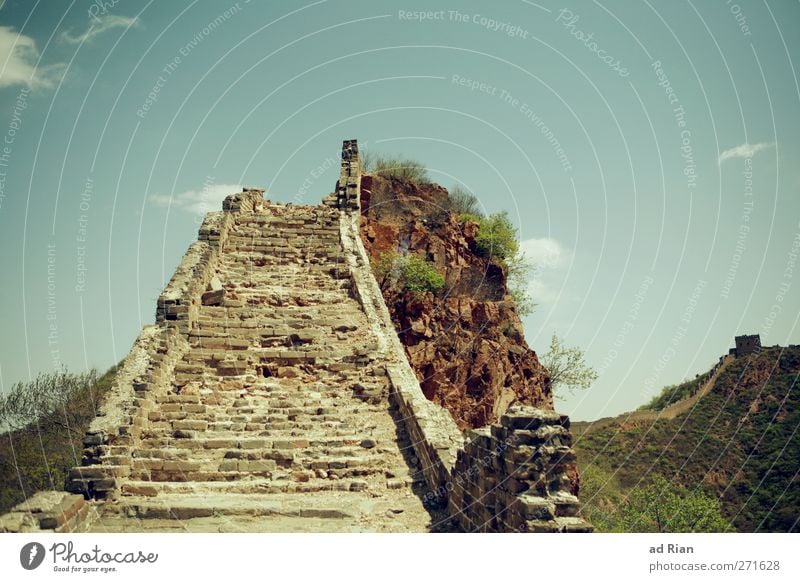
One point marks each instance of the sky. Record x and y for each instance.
(648, 153)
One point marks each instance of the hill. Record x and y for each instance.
(736, 440)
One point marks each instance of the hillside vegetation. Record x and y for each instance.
(738, 445)
(43, 423)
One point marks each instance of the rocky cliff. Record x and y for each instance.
(466, 343)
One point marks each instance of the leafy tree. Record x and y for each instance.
(567, 366)
(663, 507)
(497, 239)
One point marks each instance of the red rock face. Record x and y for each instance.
(466, 344)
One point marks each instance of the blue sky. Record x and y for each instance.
(648, 153)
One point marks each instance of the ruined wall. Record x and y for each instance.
(179, 303)
(512, 476)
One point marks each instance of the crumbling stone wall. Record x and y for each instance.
(514, 476)
(511, 476)
(434, 433)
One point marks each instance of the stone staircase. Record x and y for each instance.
(279, 411)
(273, 394)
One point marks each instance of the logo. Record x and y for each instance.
(31, 555)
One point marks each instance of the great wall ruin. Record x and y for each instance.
(273, 394)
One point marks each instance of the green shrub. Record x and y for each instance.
(400, 168)
(408, 273)
(497, 239)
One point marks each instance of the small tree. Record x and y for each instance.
(663, 507)
(567, 366)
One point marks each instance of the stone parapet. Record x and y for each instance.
(433, 432)
(513, 476)
(115, 432)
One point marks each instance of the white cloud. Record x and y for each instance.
(542, 253)
(98, 26)
(746, 150)
(548, 259)
(198, 202)
(19, 57)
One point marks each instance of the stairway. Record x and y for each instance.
(279, 418)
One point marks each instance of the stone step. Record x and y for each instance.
(320, 471)
(192, 504)
(170, 490)
(164, 448)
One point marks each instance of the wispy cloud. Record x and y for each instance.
(197, 202)
(548, 259)
(98, 26)
(19, 56)
(746, 150)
